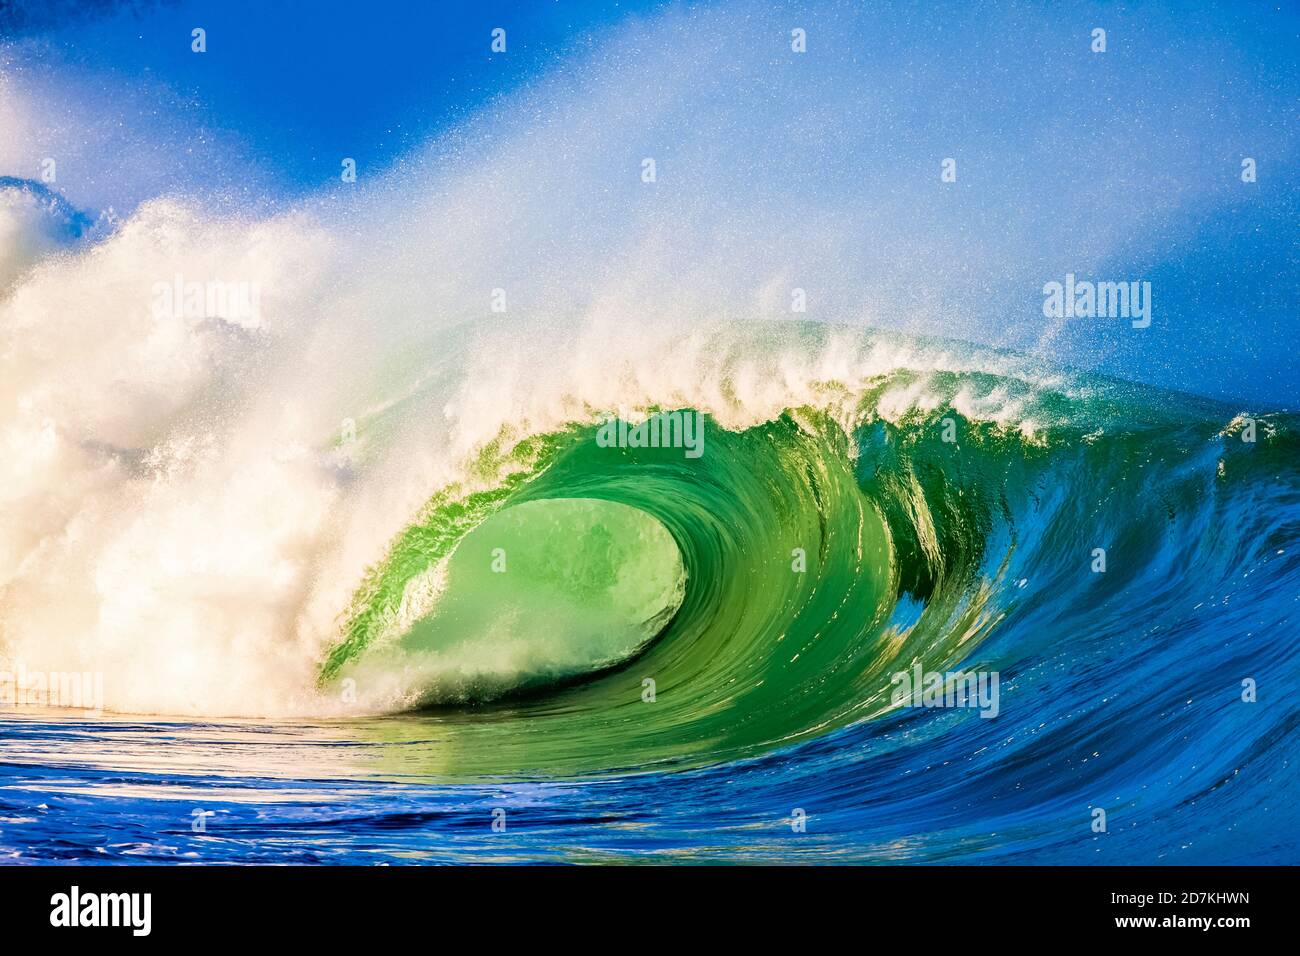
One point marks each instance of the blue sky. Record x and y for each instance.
(304, 83)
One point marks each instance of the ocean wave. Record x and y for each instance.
(908, 519)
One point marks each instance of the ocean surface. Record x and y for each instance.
(772, 732)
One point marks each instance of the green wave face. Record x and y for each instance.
(765, 569)
(651, 609)
(541, 592)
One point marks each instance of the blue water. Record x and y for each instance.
(1124, 692)
(1181, 785)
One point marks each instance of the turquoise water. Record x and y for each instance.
(769, 590)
